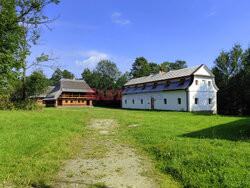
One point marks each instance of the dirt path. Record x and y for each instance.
(106, 162)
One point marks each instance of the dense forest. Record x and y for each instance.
(21, 22)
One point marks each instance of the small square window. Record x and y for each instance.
(165, 101)
(71, 101)
(66, 101)
(196, 100)
(125, 101)
(182, 81)
(133, 101)
(155, 85)
(209, 83)
(79, 101)
(209, 101)
(167, 83)
(141, 101)
(179, 100)
(196, 82)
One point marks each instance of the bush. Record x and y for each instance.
(28, 104)
(5, 102)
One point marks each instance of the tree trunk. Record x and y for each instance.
(24, 83)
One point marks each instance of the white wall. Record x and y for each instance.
(203, 92)
(171, 96)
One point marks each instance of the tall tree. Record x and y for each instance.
(140, 68)
(10, 35)
(36, 83)
(178, 64)
(108, 72)
(31, 18)
(59, 74)
(230, 72)
(122, 80)
(154, 68)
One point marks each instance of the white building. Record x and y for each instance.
(188, 89)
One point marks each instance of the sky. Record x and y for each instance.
(196, 31)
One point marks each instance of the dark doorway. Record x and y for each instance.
(59, 102)
(88, 103)
(152, 103)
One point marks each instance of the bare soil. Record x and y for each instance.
(105, 161)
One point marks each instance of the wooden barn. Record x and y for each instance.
(69, 92)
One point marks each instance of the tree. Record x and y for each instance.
(154, 68)
(10, 36)
(36, 83)
(31, 18)
(58, 75)
(231, 76)
(140, 68)
(178, 64)
(108, 72)
(122, 80)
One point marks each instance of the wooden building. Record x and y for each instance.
(69, 92)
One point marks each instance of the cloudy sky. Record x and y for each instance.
(88, 31)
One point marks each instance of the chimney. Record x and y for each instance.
(161, 71)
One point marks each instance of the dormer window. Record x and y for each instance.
(167, 83)
(182, 81)
(155, 85)
(143, 86)
(135, 87)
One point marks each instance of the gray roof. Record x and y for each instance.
(164, 76)
(68, 85)
(48, 90)
(174, 85)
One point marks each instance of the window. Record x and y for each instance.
(71, 101)
(209, 83)
(179, 100)
(204, 82)
(79, 101)
(125, 101)
(66, 101)
(167, 83)
(141, 101)
(144, 85)
(182, 81)
(196, 82)
(209, 101)
(133, 101)
(196, 100)
(155, 85)
(165, 101)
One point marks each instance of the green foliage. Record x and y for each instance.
(58, 74)
(27, 104)
(140, 68)
(154, 68)
(231, 72)
(168, 66)
(122, 80)
(36, 83)
(10, 35)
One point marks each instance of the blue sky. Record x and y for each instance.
(160, 30)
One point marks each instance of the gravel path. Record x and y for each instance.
(106, 162)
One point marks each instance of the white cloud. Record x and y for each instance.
(92, 58)
(212, 13)
(117, 18)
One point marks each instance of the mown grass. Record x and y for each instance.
(197, 150)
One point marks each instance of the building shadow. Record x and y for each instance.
(235, 131)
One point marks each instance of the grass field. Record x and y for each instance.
(197, 150)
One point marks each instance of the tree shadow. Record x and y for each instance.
(235, 131)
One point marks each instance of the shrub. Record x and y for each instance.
(5, 102)
(28, 104)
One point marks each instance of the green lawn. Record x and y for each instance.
(197, 150)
